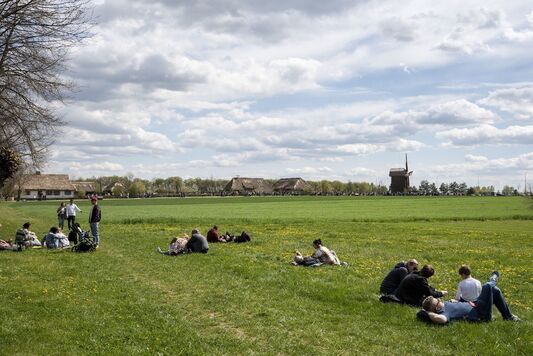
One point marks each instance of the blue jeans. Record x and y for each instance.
(61, 221)
(94, 232)
(490, 294)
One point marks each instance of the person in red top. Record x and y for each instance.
(214, 236)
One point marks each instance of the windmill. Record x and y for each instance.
(400, 179)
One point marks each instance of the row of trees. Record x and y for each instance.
(131, 186)
(454, 188)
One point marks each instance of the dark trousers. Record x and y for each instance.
(71, 220)
(490, 295)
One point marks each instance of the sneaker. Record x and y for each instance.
(514, 318)
(495, 275)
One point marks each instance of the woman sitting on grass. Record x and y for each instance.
(55, 239)
(322, 255)
(176, 246)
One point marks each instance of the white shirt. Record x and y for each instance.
(469, 289)
(324, 255)
(71, 209)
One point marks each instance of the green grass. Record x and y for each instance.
(246, 298)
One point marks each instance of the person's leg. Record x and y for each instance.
(70, 222)
(501, 304)
(95, 232)
(484, 301)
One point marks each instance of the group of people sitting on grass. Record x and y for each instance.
(25, 238)
(407, 285)
(198, 243)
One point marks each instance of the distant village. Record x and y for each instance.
(39, 186)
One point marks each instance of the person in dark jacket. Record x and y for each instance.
(94, 220)
(393, 279)
(415, 287)
(197, 242)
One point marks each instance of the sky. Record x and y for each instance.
(338, 90)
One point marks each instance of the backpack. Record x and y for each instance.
(21, 236)
(73, 237)
(243, 237)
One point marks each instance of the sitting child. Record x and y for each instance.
(56, 239)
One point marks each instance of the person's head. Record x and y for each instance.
(94, 200)
(175, 239)
(432, 304)
(412, 265)
(465, 271)
(71, 201)
(317, 243)
(26, 225)
(54, 230)
(215, 227)
(427, 271)
(195, 231)
(62, 204)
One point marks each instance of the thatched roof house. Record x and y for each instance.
(43, 186)
(115, 188)
(290, 185)
(85, 188)
(247, 186)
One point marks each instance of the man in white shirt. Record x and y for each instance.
(71, 213)
(469, 288)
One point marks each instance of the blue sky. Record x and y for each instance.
(329, 90)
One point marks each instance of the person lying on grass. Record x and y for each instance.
(176, 246)
(392, 280)
(443, 312)
(6, 245)
(322, 255)
(415, 287)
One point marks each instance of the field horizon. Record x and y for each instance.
(246, 298)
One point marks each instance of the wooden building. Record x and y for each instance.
(85, 189)
(247, 186)
(290, 186)
(46, 186)
(400, 179)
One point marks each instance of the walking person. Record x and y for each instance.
(71, 213)
(61, 215)
(94, 219)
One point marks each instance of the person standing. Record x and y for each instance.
(71, 213)
(61, 215)
(94, 219)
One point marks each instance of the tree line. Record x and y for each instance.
(177, 186)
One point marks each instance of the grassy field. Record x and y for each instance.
(247, 298)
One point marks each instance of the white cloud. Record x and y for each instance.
(518, 101)
(487, 134)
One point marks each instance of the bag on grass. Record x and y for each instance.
(243, 237)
